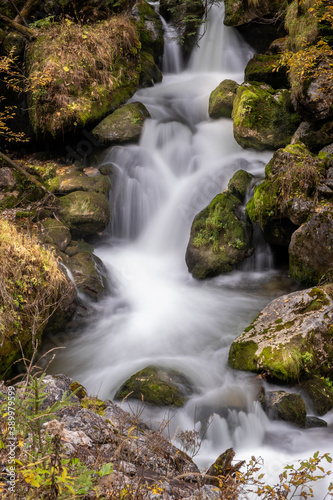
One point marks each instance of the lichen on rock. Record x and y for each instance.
(291, 339)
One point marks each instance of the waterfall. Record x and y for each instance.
(157, 313)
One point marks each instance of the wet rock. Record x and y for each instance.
(157, 386)
(262, 68)
(290, 407)
(311, 249)
(314, 135)
(90, 274)
(263, 118)
(314, 422)
(239, 183)
(222, 98)
(150, 72)
(220, 238)
(150, 28)
(85, 213)
(78, 181)
(320, 392)
(290, 339)
(289, 191)
(56, 233)
(124, 125)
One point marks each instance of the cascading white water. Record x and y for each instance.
(158, 314)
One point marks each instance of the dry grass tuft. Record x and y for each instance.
(83, 63)
(31, 286)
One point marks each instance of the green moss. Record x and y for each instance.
(242, 356)
(94, 404)
(156, 386)
(80, 391)
(262, 68)
(320, 300)
(263, 118)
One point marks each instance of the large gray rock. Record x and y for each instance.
(311, 249)
(290, 339)
(263, 118)
(124, 125)
(220, 237)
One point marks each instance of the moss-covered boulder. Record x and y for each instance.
(291, 339)
(239, 183)
(311, 249)
(56, 233)
(262, 68)
(90, 274)
(222, 98)
(157, 386)
(150, 72)
(287, 196)
(319, 391)
(289, 407)
(242, 12)
(79, 181)
(263, 117)
(149, 27)
(220, 237)
(88, 71)
(85, 213)
(124, 125)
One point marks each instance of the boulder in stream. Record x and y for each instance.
(124, 125)
(157, 386)
(291, 339)
(290, 407)
(263, 117)
(220, 237)
(221, 100)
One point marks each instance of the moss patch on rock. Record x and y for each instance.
(123, 125)
(85, 213)
(222, 98)
(239, 183)
(157, 386)
(263, 118)
(220, 237)
(290, 339)
(78, 181)
(262, 68)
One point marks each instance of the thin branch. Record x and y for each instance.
(27, 32)
(28, 7)
(19, 13)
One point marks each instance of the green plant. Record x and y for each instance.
(41, 464)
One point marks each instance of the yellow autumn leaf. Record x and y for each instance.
(66, 68)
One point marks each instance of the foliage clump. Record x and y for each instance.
(92, 69)
(31, 288)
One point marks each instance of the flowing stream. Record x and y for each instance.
(157, 313)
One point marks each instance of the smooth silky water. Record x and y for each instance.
(157, 313)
